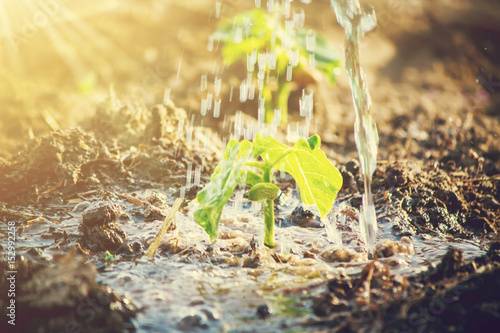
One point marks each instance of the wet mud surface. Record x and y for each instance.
(88, 201)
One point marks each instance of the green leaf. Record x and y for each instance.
(217, 192)
(318, 179)
(266, 144)
(254, 29)
(263, 191)
(109, 257)
(253, 178)
(314, 141)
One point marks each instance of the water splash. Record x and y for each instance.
(356, 22)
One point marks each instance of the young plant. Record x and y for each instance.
(253, 164)
(259, 37)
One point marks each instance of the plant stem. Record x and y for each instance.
(268, 212)
(269, 223)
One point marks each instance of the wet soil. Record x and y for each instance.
(88, 201)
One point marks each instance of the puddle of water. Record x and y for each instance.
(203, 285)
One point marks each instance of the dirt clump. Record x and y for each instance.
(65, 295)
(454, 296)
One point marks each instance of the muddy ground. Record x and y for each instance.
(81, 198)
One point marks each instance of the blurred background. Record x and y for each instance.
(59, 58)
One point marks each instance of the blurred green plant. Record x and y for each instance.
(260, 38)
(318, 179)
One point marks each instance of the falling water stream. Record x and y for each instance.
(356, 22)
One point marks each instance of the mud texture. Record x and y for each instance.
(454, 296)
(64, 296)
(104, 161)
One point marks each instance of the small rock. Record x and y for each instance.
(449, 265)
(192, 321)
(301, 217)
(387, 248)
(100, 213)
(263, 311)
(338, 254)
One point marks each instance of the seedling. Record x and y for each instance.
(253, 164)
(259, 38)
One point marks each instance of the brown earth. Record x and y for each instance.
(433, 70)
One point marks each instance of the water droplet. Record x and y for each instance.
(289, 72)
(231, 94)
(310, 41)
(238, 37)
(271, 59)
(179, 67)
(197, 176)
(217, 85)
(270, 6)
(180, 127)
(166, 97)
(261, 110)
(204, 107)
(250, 63)
(238, 125)
(299, 18)
(273, 38)
(277, 117)
(251, 92)
(243, 92)
(238, 201)
(189, 175)
(285, 8)
(261, 60)
(217, 108)
(217, 9)
(189, 131)
(203, 82)
(210, 45)
(209, 101)
(293, 56)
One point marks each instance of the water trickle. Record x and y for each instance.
(209, 101)
(217, 9)
(272, 56)
(310, 41)
(180, 127)
(289, 72)
(243, 91)
(277, 117)
(217, 108)
(203, 82)
(261, 110)
(204, 106)
(331, 221)
(217, 86)
(210, 44)
(356, 23)
(189, 131)
(189, 175)
(179, 67)
(197, 176)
